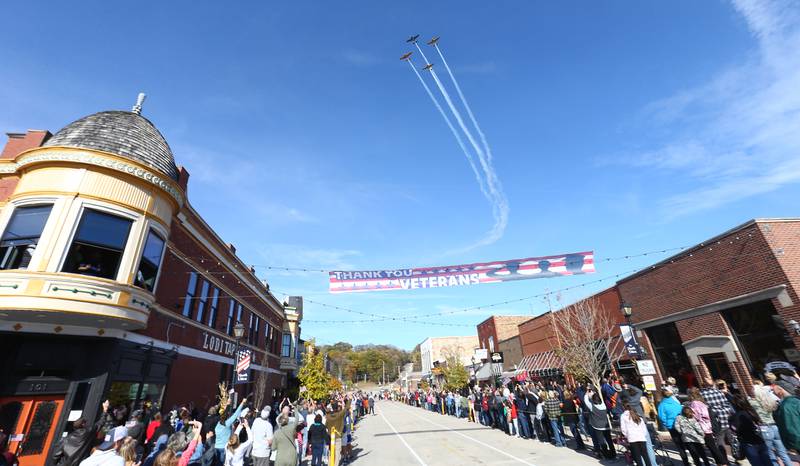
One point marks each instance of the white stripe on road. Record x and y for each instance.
(474, 440)
(422, 463)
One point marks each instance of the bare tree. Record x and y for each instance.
(261, 385)
(585, 339)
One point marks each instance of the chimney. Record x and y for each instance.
(183, 178)
(20, 142)
(232, 248)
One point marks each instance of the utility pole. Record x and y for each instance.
(383, 378)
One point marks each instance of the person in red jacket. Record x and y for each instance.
(152, 426)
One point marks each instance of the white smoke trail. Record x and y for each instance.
(460, 141)
(495, 196)
(466, 105)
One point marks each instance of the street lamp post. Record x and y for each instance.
(238, 333)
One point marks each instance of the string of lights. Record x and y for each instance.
(203, 260)
(414, 318)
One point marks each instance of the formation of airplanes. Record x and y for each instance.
(413, 40)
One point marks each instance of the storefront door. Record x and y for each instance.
(30, 422)
(717, 365)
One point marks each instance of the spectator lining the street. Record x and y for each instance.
(746, 424)
(634, 428)
(692, 435)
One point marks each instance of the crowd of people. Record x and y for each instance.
(710, 424)
(707, 423)
(284, 434)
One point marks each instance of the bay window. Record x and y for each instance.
(286, 350)
(21, 236)
(151, 259)
(98, 244)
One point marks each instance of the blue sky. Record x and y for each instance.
(621, 127)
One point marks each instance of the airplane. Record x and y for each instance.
(406, 56)
(427, 67)
(433, 41)
(412, 39)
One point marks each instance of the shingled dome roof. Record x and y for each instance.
(126, 134)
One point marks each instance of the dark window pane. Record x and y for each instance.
(761, 334)
(102, 229)
(188, 301)
(98, 245)
(671, 354)
(27, 222)
(151, 258)
(39, 428)
(212, 312)
(202, 298)
(21, 236)
(229, 327)
(286, 351)
(9, 415)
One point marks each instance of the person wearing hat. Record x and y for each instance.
(262, 438)
(107, 453)
(787, 416)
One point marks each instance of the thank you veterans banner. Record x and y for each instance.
(460, 275)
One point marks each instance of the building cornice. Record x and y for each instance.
(55, 154)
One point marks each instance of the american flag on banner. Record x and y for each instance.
(243, 359)
(576, 263)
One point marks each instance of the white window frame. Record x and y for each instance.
(49, 226)
(76, 214)
(162, 232)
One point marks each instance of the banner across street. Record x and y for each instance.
(461, 275)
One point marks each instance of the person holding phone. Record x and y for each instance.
(224, 428)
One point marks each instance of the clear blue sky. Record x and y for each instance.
(621, 127)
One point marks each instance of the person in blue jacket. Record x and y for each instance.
(668, 410)
(224, 428)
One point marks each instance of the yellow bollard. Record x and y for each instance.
(332, 456)
(442, 403)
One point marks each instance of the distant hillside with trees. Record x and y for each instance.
(356, 363)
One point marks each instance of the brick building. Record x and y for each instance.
(538, 338)
(497, 328)
(726, 308)
(113, 286)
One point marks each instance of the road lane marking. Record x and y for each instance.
(402, 439)
(474, 440)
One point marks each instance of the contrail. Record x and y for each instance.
(467, 154)
(496, 196)
(466, 105)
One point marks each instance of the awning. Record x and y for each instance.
(541, 364)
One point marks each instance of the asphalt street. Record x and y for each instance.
(403, 435)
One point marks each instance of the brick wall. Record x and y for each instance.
(500, 328)
(20, 142)
(536, 335)
(729, 266)
(758, 255)
(709, 324)
(487, 329)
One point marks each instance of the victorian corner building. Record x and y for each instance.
(113, 287)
